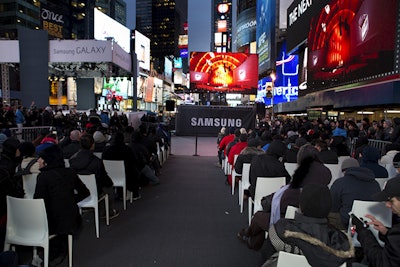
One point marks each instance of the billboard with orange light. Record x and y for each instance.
(224, 72)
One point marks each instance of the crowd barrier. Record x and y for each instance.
(379, 144)
(29, 133)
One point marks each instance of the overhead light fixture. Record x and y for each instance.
(365, 112)
(393, 111)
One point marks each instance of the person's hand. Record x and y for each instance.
(378, 225)
(358, 223)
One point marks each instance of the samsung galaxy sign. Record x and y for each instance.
(215, 122)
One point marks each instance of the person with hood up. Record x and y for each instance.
(391, 151)
(369, 159)
(357, 183)
(268, 164)
(310, 233)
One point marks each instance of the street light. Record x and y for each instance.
(273, 78)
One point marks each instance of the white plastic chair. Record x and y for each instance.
(378, 209)
(116, 170)
(291, 211)
(29, 184)
(98, 154)
(382, 182)
(392, 171)
(286, 259)
(93, 200)
(290, 167)
(264, 186)
(336, 172)
(234, 174)
(244, 183)
(27, 226)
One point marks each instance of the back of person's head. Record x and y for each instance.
(362, 140)
(315, 201)
(26, 149)
(396, 161)
(321, 144)
(370, 154)
(231, 130)
(52, 156)
(349, 163)
(253, 142)
(99, 137)
(237, 133)
(276, 148)
(86, 141)
(307, 151)
(75, 135)
(243, 138)
(392, 146)
(10, 146)
(118, 138)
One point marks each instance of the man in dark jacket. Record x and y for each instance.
(84, 162)
(357, 183)
(268, 165)
(74, 145)
(369, 159)
(389, 254)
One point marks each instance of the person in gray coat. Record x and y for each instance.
(357, 183)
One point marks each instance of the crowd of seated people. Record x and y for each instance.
(75, 143)
(320, 237)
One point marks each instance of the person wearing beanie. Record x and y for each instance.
(369, 159)
(389, 254)
(47, 141)
(29, 158)
(9, 159)
(310, 233)
(61, 189)
(357, 183)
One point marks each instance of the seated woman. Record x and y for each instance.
(310, 233)
(56, 185)
(310, 171)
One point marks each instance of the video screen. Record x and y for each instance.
(351, 42)
(224, 72)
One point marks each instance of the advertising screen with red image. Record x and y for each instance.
(224, 72)
(352, 42)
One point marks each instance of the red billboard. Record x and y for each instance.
(224, 72)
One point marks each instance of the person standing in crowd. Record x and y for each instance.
(310, 233)
(19, 120)
(389, 254)
(357, 183)
(387, 130)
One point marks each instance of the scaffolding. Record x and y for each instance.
(5, 83)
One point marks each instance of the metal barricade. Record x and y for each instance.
(379, 144)
(29, 133)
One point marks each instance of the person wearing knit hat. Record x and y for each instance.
(246, 155)
(357, 183)
(388, 254)
(310, 233)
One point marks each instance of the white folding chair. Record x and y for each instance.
(336, 172)
(290, 167)
(98, 154)
(286, 259)
(244, 183)
(29, 184)
(264, 186)
(93, 200)
(234, 174)
(27, 226)
(116, 171)
(378, 209)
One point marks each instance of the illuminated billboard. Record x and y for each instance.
(224, 72)
(142, 49)
(118, 87)
(105, 27)
(351, 42)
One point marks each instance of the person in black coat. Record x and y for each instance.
(325, 155)
(268, 165)
(56, 185)
(369, 159)
(119, 151)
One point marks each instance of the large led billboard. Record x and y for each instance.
(105, 27)
(223, 72)
(142, 49)
(351, 42)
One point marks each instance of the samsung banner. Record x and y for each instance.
(79, 51)
(208, 120)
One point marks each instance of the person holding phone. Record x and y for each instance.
(389, 255)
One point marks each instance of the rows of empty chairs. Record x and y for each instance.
(272, 184)
(27, 220)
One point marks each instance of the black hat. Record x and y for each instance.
(396, 160)
(253, 142)
(392, 189)
(315, 201)
(52, 156)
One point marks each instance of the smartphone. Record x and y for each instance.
(354, 217)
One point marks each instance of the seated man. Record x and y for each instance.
(389, 255)
(309, 233)
(84, 162)
(73, 146)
